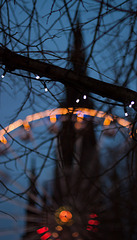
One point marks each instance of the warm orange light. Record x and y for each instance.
(75, 234)
(53, 118)
(63, 111)
(80, 116)
(59, 228)
(3, 139)
(55, 235)
(65, 216)
(78, 125)
(107, 120)
(123, 122)
(26, 125)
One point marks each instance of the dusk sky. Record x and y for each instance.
(46, 35)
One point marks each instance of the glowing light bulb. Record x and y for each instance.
(2, 76)
(55, 235)
(37, 77)
(77, 101)
(45, 87)
(131, 104)
(59, 228)
(84, 97)
(126, 114)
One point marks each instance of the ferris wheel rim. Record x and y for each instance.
(53, 113)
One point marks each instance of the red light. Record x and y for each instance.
(93, 222)
(93, 215)
(42, 230)
(46, 236)
(89, 228)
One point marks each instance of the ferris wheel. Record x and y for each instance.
(53, 115)
(26, 132)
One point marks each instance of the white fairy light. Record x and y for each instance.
(84, 97)
(37, 77)
(45, 87)
(77, 101)
(2, 76)
(131, 104)
(4, 73)
(126, 114)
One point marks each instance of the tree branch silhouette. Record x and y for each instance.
(13, 61)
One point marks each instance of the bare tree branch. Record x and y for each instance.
(14, 61)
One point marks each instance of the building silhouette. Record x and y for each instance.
(77, 160)
(79, 208)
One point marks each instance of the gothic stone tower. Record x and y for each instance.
(77, 162)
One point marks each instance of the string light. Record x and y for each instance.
(45, 87)
(37, 77)
(126, 114)
(77, 101)
(131, 104)
(84, 97)
(3, 75)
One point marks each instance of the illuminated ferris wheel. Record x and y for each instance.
(26, 131)
(52, 116)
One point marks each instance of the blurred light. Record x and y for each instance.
(37, 77)
(89, 228)
(55, 235)
(131, 104)
(65, 216)
(75, 234)
(45, 87)
(78, 125)
(126, 114)
(61, 111)
(107, 121)
(84, 97)
(77, 101)
(59, 228)
(53, 118)
(3, 140)
(46, 236)
(93, 215)
(26, 125)
(123, 122)
(42, 230)
(80, 116)
(93, 222)
(2, 76)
